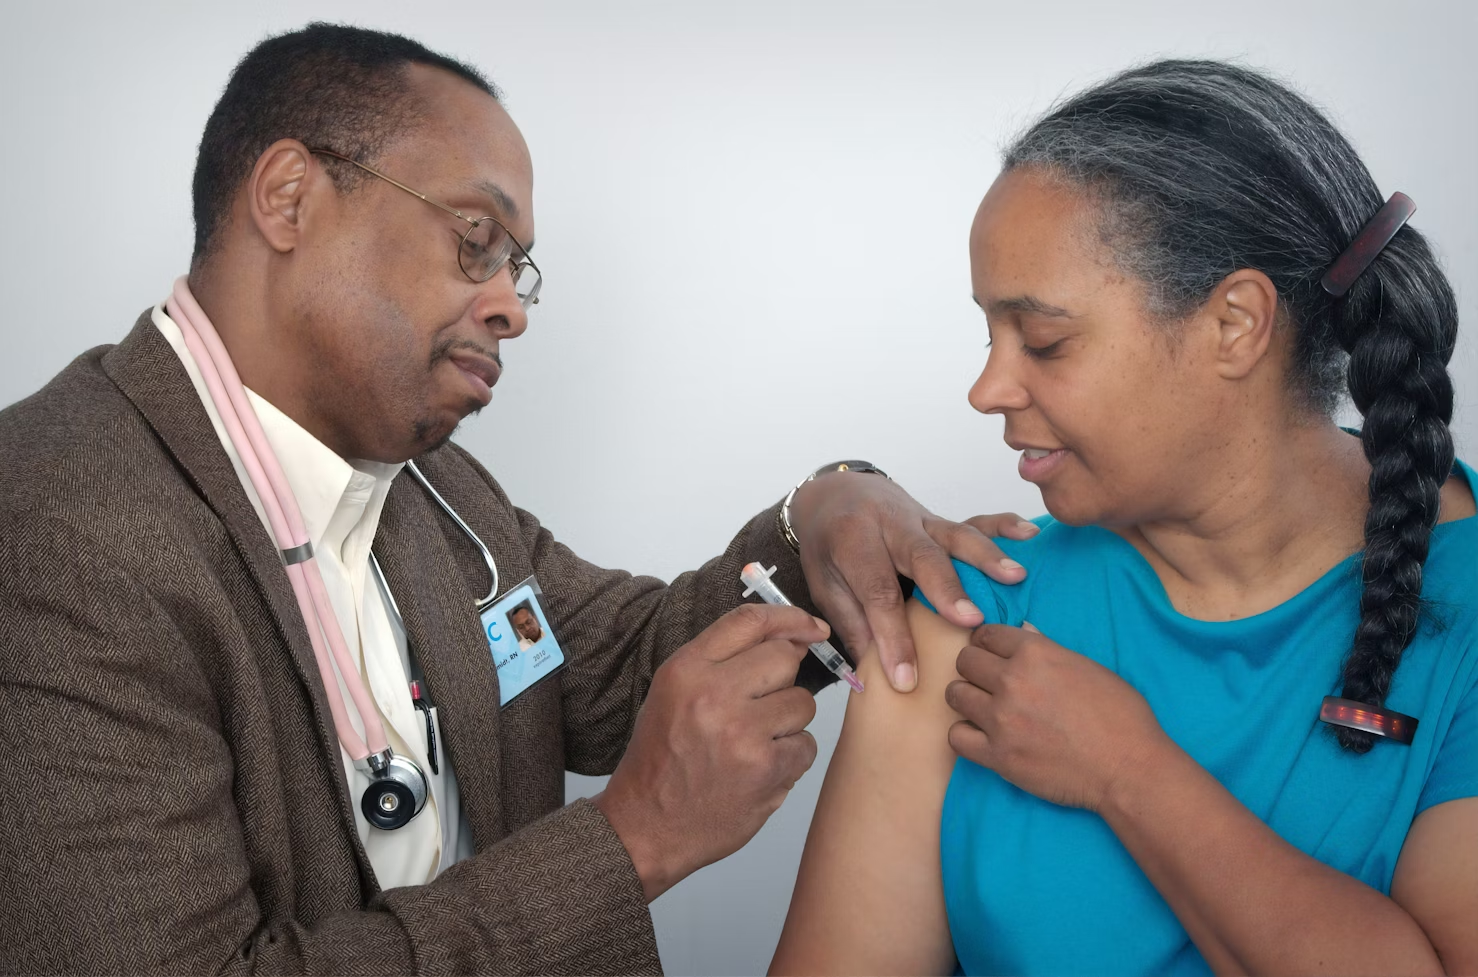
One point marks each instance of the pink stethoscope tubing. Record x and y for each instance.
(286, 520)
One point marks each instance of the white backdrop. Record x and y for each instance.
(752, 220)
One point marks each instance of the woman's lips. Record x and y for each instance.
(481, 374)
(1037, 463)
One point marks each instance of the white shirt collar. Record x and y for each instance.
(340, 500)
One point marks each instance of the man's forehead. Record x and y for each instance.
(455, 108)
(468, 138)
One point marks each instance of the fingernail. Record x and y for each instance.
(1029, 626)
(904, 677)
(1010, 565)
(966, 609)
(1028, 528)
(822, 624)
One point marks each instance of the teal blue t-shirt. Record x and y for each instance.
(1033, 888)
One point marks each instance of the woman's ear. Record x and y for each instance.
(274, 193)
(1245, 309)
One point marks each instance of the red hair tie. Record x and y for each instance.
(1395, 726)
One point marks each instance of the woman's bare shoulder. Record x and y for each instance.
(938, 644)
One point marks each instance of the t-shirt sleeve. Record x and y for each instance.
(986, 593)
(1455, 772)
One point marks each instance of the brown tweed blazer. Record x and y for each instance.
(171, 795)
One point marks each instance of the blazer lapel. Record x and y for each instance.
(445, 635)
(145, 368)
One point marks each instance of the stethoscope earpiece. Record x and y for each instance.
(397, 791)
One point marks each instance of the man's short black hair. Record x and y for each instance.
(328, 85)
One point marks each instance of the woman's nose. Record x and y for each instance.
(998, 389)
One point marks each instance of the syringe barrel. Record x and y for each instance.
(757, 579)
(829, 656)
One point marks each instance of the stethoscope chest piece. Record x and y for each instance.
(397, 791)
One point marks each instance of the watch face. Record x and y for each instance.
(850, 465)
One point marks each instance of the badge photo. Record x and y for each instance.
(523, 645)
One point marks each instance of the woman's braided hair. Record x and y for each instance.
(1201, 168)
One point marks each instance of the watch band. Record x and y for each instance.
(787, 531)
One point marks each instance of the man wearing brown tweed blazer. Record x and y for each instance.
(174, 798)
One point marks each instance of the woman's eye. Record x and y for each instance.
(1042, 352)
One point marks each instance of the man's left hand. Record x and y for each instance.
(859, 531)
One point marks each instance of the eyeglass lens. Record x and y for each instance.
(486, 248)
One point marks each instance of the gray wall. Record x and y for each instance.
(752, 220)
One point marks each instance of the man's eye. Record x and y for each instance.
(1042, 352)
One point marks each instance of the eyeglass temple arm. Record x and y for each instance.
(421, 196)
(395, 183)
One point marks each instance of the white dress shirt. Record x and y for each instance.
(341, 503)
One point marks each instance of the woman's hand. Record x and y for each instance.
(1049, 720)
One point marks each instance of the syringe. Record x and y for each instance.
(757, 581)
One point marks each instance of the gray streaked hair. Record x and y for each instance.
(1202, 168)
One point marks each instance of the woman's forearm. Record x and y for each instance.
(1252, 902)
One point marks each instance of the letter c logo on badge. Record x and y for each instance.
(493, 634)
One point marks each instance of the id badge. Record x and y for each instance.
(521, 641)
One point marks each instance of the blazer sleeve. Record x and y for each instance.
(122, 846)
(617, 628)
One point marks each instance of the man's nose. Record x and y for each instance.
(998, 389)
(499, 306)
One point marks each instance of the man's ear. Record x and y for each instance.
(275, 190)
(1245, 310)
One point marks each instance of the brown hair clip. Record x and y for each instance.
(1371, 240)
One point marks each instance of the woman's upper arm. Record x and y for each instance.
(869, 896)
(1436, 881)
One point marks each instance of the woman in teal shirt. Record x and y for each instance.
(1144, 782)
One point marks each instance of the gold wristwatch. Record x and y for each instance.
(851, 465)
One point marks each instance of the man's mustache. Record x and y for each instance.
(444, 349)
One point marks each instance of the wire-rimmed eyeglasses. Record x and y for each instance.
(485, 248)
